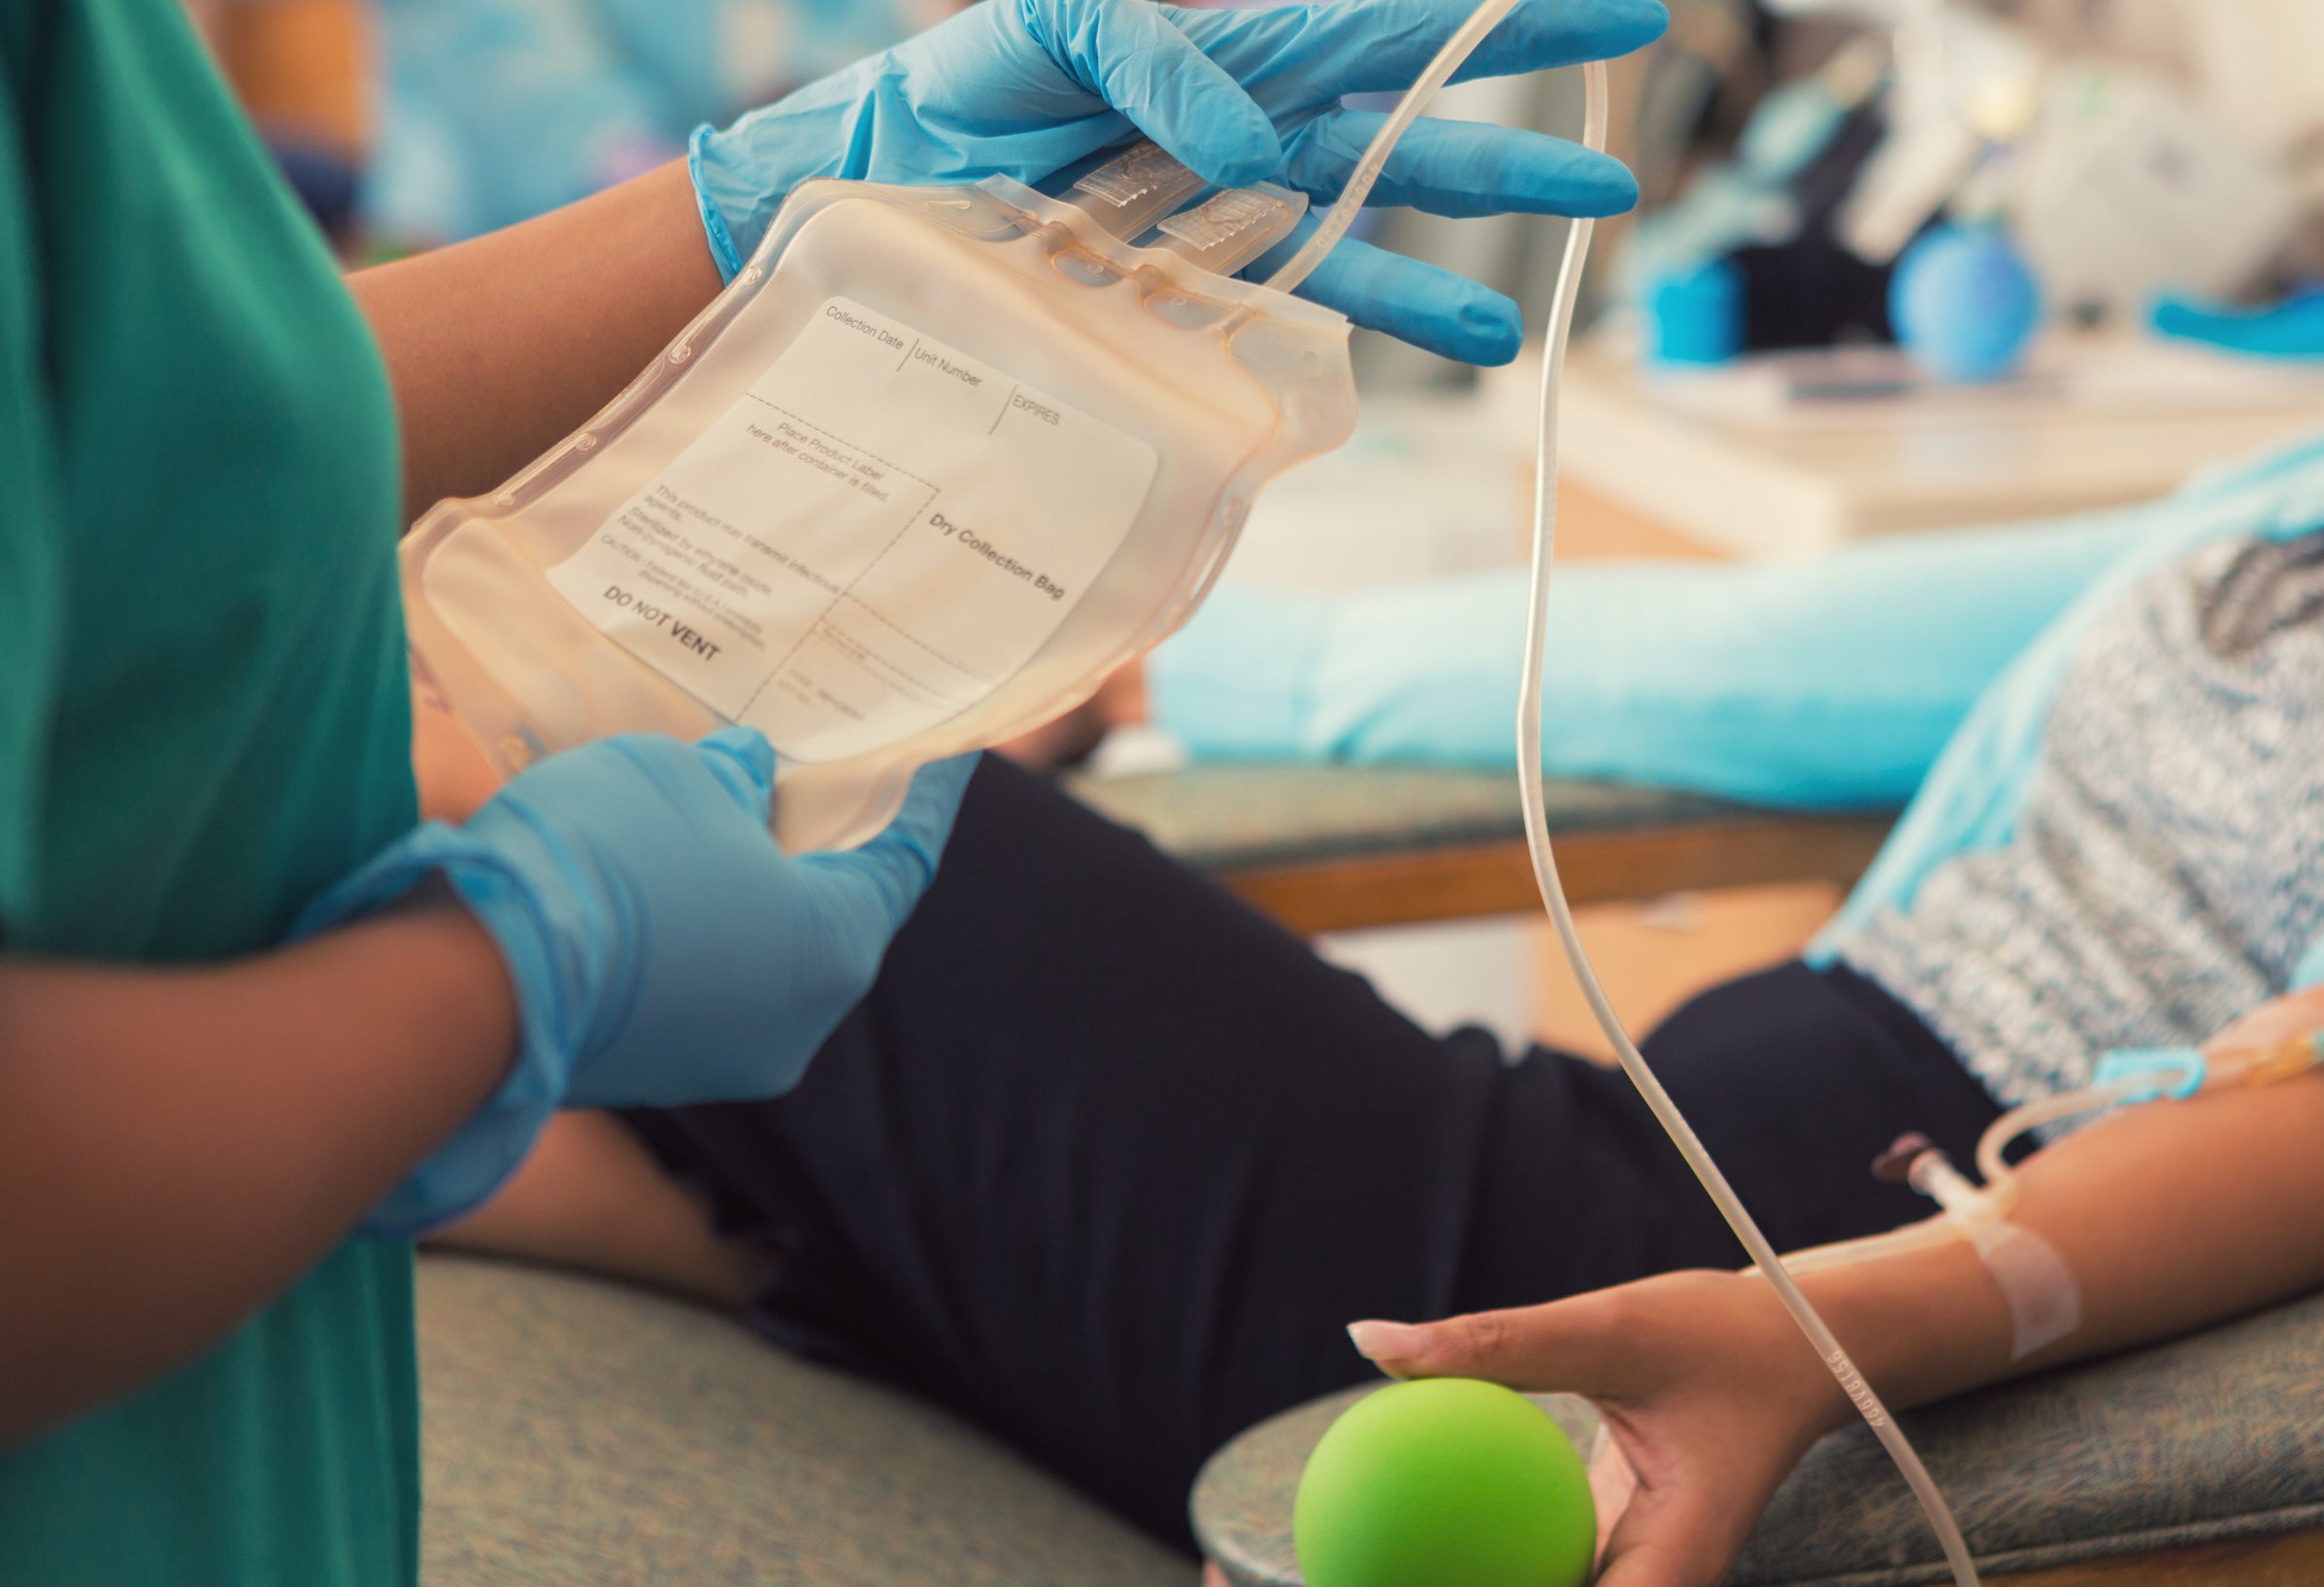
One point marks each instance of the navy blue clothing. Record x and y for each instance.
(1108, 1160)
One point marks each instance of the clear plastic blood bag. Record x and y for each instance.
(935, 464)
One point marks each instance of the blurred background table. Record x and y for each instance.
(1729, 459)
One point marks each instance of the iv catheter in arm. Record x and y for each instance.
(1970, 1210)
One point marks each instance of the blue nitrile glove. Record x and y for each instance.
(1029, 87)
(664, 951)
(2291, 329)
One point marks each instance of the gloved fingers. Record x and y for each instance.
(1297, 58)
(742, 760)
(871, 889)
(1137, 60)
(1435, 309)
(1459, 168)
(916, 837)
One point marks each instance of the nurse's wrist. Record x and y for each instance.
(712, 186)
(438, 947)
(514, 935)
(742, 173)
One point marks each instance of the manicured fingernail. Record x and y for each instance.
(1388, 1340)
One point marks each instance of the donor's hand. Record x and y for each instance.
(1706, 1384)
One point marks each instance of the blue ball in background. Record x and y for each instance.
(1964, 303)
(1695, 315)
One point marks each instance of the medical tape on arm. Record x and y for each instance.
(2039, 1288)
(2044, 1304)
(2036, 1285)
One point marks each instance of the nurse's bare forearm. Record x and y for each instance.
(176, 1146)
(499, 347)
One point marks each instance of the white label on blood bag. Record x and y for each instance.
(874, 536)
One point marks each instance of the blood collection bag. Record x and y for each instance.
(935, 464)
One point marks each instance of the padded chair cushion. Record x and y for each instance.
(2213, 1437)
(579, 1433)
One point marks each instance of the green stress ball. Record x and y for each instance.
(1444, 1482)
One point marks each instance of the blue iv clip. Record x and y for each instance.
(2159, 1071)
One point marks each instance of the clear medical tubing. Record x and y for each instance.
(1993, 1170)
(1924, 1235)
(1457, 48)
(1860, 1394)
(1975, 1207)
(1544, 868)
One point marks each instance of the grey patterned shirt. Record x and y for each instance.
(2167, 869)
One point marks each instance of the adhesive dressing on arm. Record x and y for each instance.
(2039, 1288)
(2033, 1275)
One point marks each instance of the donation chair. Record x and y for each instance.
(584, 1434)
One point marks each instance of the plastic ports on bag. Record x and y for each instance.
(935, 464)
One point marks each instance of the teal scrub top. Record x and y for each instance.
(203, 721)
